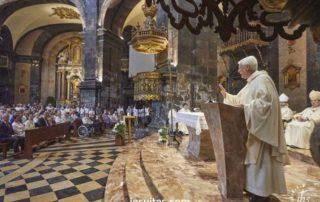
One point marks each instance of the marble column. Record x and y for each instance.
(90, 86)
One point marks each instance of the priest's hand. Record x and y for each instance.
(222, 90)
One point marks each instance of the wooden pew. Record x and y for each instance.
(4, 148)
(38, 135)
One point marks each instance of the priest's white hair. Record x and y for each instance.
(251, 61)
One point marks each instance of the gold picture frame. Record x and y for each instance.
(291, 75)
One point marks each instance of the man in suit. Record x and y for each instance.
(43, 121)
(7, 135)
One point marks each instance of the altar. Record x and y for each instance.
(200, 144)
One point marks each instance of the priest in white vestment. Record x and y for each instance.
(266, 148)
(286, 112)
(299, 130)
(172, 114)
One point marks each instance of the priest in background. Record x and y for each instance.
(266, 148)
(299, 130)
(286, 112)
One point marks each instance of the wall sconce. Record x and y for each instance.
(35, 63)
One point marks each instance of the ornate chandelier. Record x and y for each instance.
(149, 39)
(228, 15)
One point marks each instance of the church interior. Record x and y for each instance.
(122, 100)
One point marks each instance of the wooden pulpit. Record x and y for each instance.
(229, 134)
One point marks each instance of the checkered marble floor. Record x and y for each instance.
(71, 171)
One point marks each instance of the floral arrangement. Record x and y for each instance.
(163, 132)
(119, 129)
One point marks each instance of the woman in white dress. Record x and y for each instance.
(299, 130)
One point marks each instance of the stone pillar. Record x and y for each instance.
(109, 61)
(68, 89)
(59, 86)
(196, 69)
(90, 86)
(35, 81)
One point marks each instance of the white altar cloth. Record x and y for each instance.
(193, 119)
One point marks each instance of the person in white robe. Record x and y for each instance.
(172, 114)
(286, 112)
(181, 126)
(266, 148)
(299, 130)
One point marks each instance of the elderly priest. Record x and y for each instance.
(266, 148)
(299, 130)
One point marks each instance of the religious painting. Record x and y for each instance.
(291, 76)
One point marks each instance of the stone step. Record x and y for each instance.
(149, 170)
(174, 178)
(136, 183)
(116, 189)
(302, 155)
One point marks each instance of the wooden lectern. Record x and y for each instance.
(130, 123)
(229, 134)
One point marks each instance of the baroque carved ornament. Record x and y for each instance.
(65, 13)
(225, 16)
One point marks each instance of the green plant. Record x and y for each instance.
(51, 100)
(119, 129)
(163, 132)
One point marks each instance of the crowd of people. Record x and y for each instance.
(16, 119)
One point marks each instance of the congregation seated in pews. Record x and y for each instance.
(299, 130)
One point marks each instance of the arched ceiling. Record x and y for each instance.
(32, 17)
(135, 16)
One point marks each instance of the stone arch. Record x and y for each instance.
(32, 45)
(48, 72)
(113, 14)
(50, 33)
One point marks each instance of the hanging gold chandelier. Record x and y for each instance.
(149, 39)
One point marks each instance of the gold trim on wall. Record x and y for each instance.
(65, 13)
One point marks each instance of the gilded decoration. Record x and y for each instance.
(147, 86)
(149, 39)
(69, 74)
(291, 76)
(273, 5)
(65, 13)
(4, 61)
